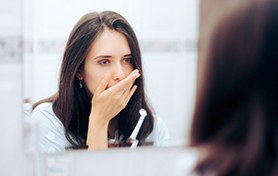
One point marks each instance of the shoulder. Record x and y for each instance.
(44, 112)
(159, 125)
(159, 121)
(51, 132)
(160, 134)
(44, 107)
(44, 115)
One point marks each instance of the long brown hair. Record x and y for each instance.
(72, 105)
(236, 113)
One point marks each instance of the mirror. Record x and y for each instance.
(167, 32)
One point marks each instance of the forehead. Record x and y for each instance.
(110, 42)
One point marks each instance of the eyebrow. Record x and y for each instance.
(102, 56)
(109, 56)
(128, 55)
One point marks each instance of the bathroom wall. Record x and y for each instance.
(12, 159)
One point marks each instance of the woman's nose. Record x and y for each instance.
(118, 73)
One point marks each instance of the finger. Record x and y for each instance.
(130, 93)
(127, 83)
(124, 91)
(102, 85)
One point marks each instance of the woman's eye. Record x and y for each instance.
(127, 60)
(103, 62)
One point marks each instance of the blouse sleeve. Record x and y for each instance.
(50, 131)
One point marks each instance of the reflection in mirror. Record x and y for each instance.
(167, 42)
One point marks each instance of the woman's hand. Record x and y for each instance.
(106, 104)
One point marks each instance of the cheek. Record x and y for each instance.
(91, 84)
(92, 81)
(128, 70)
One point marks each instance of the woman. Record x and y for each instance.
(101, 89)
(235, 120)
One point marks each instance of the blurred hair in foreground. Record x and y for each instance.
(235, 122)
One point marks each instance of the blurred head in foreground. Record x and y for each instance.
(235, 121)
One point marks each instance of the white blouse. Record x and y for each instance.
(51, 132)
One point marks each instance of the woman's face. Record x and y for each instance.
(109, 55)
